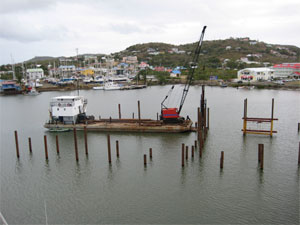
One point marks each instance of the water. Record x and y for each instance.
(92, 192)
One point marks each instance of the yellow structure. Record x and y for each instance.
(87, 72)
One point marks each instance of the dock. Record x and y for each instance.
(127, 125)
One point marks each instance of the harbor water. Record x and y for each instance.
(90, 191)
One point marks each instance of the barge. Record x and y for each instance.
(68, 112)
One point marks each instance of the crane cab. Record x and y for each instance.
(170, 113)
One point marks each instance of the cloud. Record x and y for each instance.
(13, 6)
(60, 26)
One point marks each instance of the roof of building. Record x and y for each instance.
(288, 65)
(258, 69)
(35, 70)
(66, 67)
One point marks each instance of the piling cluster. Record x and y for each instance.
(201, 126)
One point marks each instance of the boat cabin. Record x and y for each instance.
(67, 109)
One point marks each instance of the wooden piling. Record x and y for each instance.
(145, 160)
(46, 147)
(182, 155)
(298, 127)
(196, 144)
(157, 116)
(150, 153)
(75, 143)
(57, 145)
(29, 143)
(186, 152)
(108, 149)
(85, 140)
(119, 106)
(222, 160)
(193, 149)
(132, 115)
(117, 149)
(17, 144)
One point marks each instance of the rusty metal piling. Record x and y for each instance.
(117, 149)
(186, 152)
(46, 147)
(262, 158)
(108, 149)
(182, 155)
(57, 145)
(29, 143)
(139, 110)
(299, 155)
(207, 118)
(85, 140)
(193, 149)
(145, 160)
(222, 160)
(75, 144)
(17, 144)
(119, 106)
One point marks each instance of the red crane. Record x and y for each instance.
(172, 115)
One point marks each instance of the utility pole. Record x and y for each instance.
(13, 67)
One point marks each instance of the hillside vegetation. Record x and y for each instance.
(214, 53)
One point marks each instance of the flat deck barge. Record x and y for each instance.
(127, 125)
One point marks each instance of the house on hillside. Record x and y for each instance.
(175, 73)
(143, 65)
(130, 59)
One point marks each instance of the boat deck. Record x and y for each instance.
(128, 125)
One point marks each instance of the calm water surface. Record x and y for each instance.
(92, 192)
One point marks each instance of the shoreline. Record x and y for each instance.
(258, 85)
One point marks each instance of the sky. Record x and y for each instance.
(30, 28)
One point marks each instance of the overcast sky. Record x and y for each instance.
(31, 28)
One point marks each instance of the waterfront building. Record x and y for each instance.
(88, 72)
(255, 74)
(286, 70)
(66, 70)
(33, 74)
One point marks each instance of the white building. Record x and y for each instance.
(33, 74)
(255, 74)
(66, 70)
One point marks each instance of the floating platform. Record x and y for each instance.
(127, 125)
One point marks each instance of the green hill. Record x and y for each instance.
(214, 53)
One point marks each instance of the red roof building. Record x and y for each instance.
(286, 69)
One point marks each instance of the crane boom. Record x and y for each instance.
(171, 115)
(193, 66)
